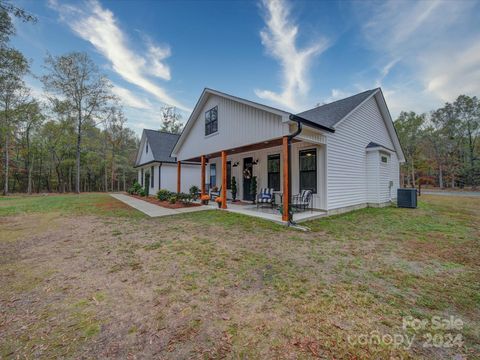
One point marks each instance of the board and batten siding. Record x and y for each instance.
(347, 183)
(144, 156)
(166, 177)
(238, 125)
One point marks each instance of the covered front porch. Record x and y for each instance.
(267, 164)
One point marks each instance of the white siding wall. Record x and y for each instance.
(347, 158)
(190, 175)
(260, 170)
(372, 176)
(238, 125)
(384, 190)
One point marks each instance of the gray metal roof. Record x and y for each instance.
(161, 144)
(372, 145)
(330, 114)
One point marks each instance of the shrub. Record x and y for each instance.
(142, 192)
(172, 199)
(194, 190)
(164, 195)
(185, 198)
(135, 188)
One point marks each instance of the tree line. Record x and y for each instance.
(75, 138)
(441, 148)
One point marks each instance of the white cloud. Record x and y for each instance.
(156, 54)
(279, 38)
(436, 43)
(130, 99)
(98, 26)
(336, 94)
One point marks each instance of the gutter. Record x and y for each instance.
(289, 142)
(310, 123)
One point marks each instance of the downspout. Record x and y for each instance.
(289, 141)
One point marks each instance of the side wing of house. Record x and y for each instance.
(357, 176)
(145, 153)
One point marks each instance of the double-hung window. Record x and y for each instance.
(308, 170)
(211, 121)
(273, 167)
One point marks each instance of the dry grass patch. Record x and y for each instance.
(219, 285)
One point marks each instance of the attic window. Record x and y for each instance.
(384, 159)
(146, 149)
(211, 121)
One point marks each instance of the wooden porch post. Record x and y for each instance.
(286, 180)
(224, 180)
(179, 176)
(202, 187)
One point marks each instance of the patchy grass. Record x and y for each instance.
(213, 284)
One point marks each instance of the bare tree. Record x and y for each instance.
(171, 120)
(76, 79)
(115, 132)
(13, 93)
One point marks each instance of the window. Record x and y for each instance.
(308, 170)
(159, 175)
(152, 177)
(146, 148)
(211, 121)
(273, 168)
(384, 159)
(229, 175)
(213, 175)
(141, 177)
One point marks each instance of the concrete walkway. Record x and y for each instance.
(153, 210)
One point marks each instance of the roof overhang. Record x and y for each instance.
(139, 149)
(311, 124)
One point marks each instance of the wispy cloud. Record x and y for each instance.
(130, 99)
(435, 42)
(280, 40)
(98, 25)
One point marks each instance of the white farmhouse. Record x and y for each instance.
(345, 155)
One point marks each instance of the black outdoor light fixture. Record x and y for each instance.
(236, 163)
(255, 162)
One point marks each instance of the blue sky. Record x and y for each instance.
(288, 54)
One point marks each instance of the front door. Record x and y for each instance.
(247, 178)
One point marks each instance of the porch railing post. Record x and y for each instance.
(179, 177)
(224, 180)
(286, 180)
(202, 187)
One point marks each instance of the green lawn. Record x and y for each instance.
(85, 204)
(87, 277)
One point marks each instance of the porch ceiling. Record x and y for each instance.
(243, 149)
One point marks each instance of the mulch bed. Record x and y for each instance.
(165, 204)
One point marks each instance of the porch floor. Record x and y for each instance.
(267, 213)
